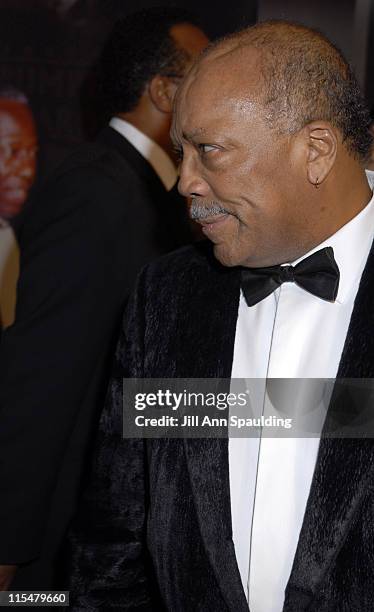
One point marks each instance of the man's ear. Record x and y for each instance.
(322, 147)
(162, 91)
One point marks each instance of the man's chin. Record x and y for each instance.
(229, 258)
(11, 203)
(225, 256)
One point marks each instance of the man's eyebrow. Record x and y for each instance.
(189, 136)
(192, 135)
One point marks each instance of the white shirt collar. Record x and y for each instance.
(351, 245)
(150, 150)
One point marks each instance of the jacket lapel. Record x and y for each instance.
(344, 466)
(209, 477)
(112, 139)
(172, 226)
(213, 303)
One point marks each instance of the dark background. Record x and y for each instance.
(48, 49)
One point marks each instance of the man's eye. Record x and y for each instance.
(205, 148)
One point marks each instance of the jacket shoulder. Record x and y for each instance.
(92, 177)
(186, 270)
(190, 259)
(92, 160)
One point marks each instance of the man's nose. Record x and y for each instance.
(27, 170)
(191, 182)
(27, 166)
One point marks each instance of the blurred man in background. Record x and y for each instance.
(18, 148)
(105, 212)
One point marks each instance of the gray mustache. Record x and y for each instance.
(201, 211)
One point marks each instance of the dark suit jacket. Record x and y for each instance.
(88, 232)
(157, 512)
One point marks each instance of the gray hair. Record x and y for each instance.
(9, 92)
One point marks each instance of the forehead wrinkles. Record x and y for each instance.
(225, 84)
(16, 119)
(179, 106)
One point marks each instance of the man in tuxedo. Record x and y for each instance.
(273, 135)
(108, 210)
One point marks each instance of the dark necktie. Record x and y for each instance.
(318, 274)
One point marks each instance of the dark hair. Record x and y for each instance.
(139, 47)
(306, 78)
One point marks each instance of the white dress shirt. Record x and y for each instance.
(289, 334)
(9, 272)
(160, 161)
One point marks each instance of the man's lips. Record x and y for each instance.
(12, 198)
(213, 225)
(213, 220)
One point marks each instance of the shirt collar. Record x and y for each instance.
(150, 150)
(351, 245)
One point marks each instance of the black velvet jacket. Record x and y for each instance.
(154, 531)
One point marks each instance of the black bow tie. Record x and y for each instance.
(318, 274)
